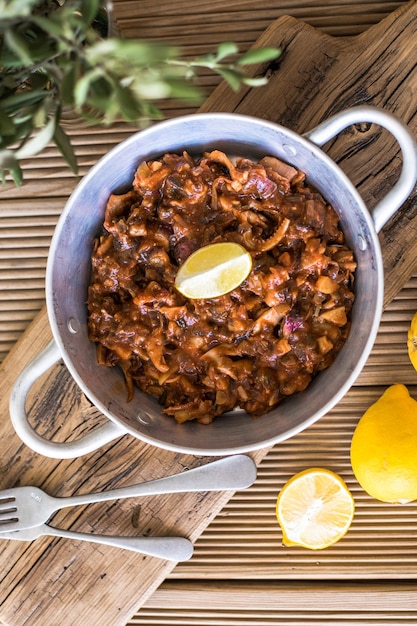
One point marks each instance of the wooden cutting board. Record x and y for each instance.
(46, 582)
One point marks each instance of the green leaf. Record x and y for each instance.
(40, 115)
(205, 60)
(9, 163)
(6, 126)
(190, 74)
(183, 90)
(260, 55)
(16, 102)
(18, 46)
(226, 49)
(67, 86)
(64, 145)
(24, 117)
(89, 10)
(83, 85)
(232, 77)
(126, 102)
(151, 111)
(50, 26)
(130, 53)
(152, 88)
(16, 174)
(255, 82)
(39, 141)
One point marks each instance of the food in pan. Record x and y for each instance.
(251, 347)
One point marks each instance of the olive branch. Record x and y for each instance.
(54, 57)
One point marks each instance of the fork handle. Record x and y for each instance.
(169, 548)
(229, 473)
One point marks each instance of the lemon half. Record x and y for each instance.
(213, 270)
(315, 509)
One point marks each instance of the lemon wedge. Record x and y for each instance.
(314, 509)
(213, 270)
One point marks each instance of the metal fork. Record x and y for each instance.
(25, 507)
(169, 548)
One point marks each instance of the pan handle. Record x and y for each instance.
(386, 207)
(54, 449)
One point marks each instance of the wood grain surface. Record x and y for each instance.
(279, 604)
(50, 581)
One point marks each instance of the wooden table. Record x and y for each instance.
(240, 573)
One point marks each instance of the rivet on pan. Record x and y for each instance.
(144, 418)
(73, 325)
(362, 242)
(291, 150)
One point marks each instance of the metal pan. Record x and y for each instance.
(68, 274)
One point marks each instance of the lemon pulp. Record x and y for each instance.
(213, 270)
(314, 509)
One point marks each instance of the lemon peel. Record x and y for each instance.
(383, 448)
(412, 341)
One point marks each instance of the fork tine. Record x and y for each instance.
(4, 524)
(10, 509)
(6, 499)
(6, 504)
(7, 508)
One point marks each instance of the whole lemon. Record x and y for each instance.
(383, 451)
(412, 341)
